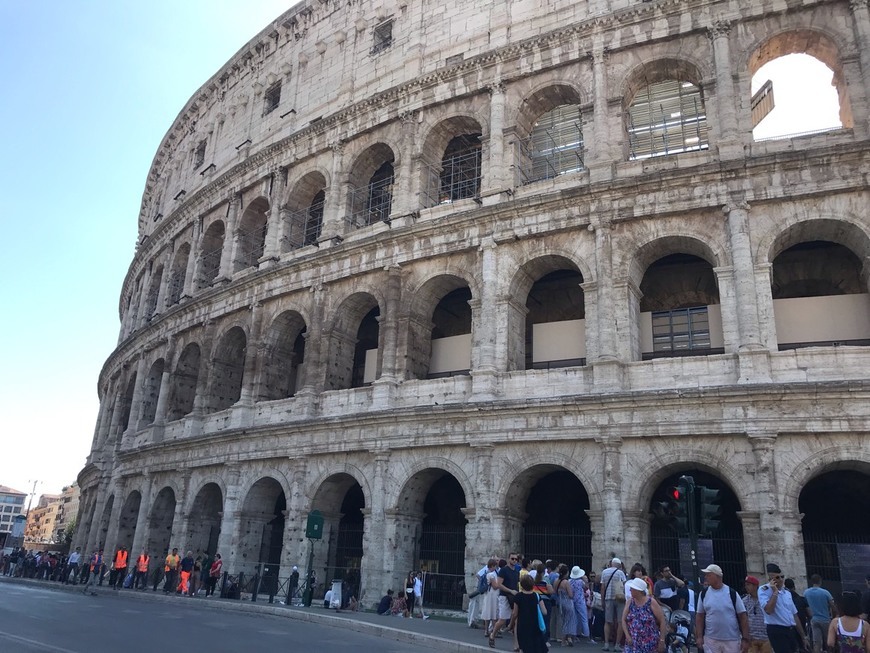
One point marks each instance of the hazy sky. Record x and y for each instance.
(89, 89)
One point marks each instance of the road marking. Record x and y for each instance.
(41, 646)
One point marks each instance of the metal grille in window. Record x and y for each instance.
(374, 202)
(176, 286)
(682, 329)
(272, 98)
(252, 243)
(555, 146)
(199, 155)
(210, 265)
(458, 177)
(667, 118)
(383, 37)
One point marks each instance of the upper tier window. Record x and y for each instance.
(383, 37)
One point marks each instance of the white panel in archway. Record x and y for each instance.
(451, 354)
(558, 341)
(822, 319)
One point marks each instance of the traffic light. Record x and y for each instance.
(680, 508)
(708, 509)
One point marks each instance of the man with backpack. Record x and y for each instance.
(721, 625)
(476, 599)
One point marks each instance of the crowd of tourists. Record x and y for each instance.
(536, 604)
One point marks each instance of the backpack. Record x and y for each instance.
(482, 584)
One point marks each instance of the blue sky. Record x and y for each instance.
(89, 90)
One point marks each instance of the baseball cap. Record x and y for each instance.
(753, 580)
(712, 569)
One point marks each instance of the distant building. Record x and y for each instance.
(11, 505)
(67, 510)
(41, 520)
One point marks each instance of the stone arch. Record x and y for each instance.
(371, 179)
(854, 456)
(452, 160)
(127, 520)
(664, 108)
(227, 369)
(305, 205)
(353, 335)
(105, 520)
(184, 382)
(160, 521)
(508, 490)
(153, 292)
(323, 491)
(283, 357)
(126, 404)
(438, 464)
(438, 345)
(542, 98)
(211, 246)
(814, 42)
(151, 391)
(261, 527)
(205, 518)
(251, 234)
(647, 253)
(178, 273)
(844, 231)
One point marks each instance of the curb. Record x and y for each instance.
(299, 614)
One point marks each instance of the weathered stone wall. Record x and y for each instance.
(763, 420)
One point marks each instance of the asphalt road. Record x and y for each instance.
(40, 620)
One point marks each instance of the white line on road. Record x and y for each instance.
(40, 646)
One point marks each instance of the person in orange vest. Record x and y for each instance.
(142, 570)
(187, 565)
(171, 569)
(119, 569)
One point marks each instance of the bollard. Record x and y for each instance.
(256, 585)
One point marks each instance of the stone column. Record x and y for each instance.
(230, 518)
(599, 545)
(94, 539)
(752, 539)
(142, 315)
(726, 100)
(295, 550)
(192, 267)
(113, 436)
(406, 201)
(611, 497)
(114, 520)
(389, 325)
(336, 196)
(253, 352)
(764, 285)
(635, 535)
(163, 291)
(495, 181)
(375, 566)
(485, 325)
(272, 246)
(728, 306)
(744, 282)
(606, 367)
(140, 536)
(858, 95)
(228, 253)
(601, 156)
(180, 534)
(137, 404)
(165, 385)
(102, 421)
(314, 372)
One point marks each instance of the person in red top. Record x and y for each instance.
(214, 574)
(119, 569)
(142, 570)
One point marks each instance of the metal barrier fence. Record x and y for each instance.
(371, 203)
(443, 591)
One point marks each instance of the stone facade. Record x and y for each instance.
(306, 319)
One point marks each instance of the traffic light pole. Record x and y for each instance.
(688, 482)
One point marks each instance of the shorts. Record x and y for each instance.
(504, 608)
(613, 611)
(721, 645)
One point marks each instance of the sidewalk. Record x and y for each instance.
(441, 633)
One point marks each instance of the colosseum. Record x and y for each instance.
(475, 277)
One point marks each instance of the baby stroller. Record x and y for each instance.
(679, 638)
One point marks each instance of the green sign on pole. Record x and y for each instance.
(314, 528)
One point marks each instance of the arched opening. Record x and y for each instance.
(160, 523)
(341, 502)
(184, 383)
(432, 502)
(178, 274)
(227, 370)
(680, 312)
(104, 522)
(665, 111)
(127, 521)
(151, 393)
(554, 507)
(262, 531)
(452, 156)
(556, 321)
(127, 403)
(205, 519)
(284, 357)
(722, 544)
(153, 293)
(819, 297)
(451, 335)
(798, 86)
(304, 218)
(354, 343)
(251, 235)
(549, 134)
(210, 254)
(371, 187)
(835, 530)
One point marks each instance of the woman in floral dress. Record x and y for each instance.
(643, 621)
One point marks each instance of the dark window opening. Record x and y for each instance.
(272, 98)
(383, 37)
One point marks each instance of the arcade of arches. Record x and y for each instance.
(377, 527)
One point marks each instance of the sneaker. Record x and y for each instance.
(425, 616)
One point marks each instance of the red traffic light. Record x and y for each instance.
(676, 493)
